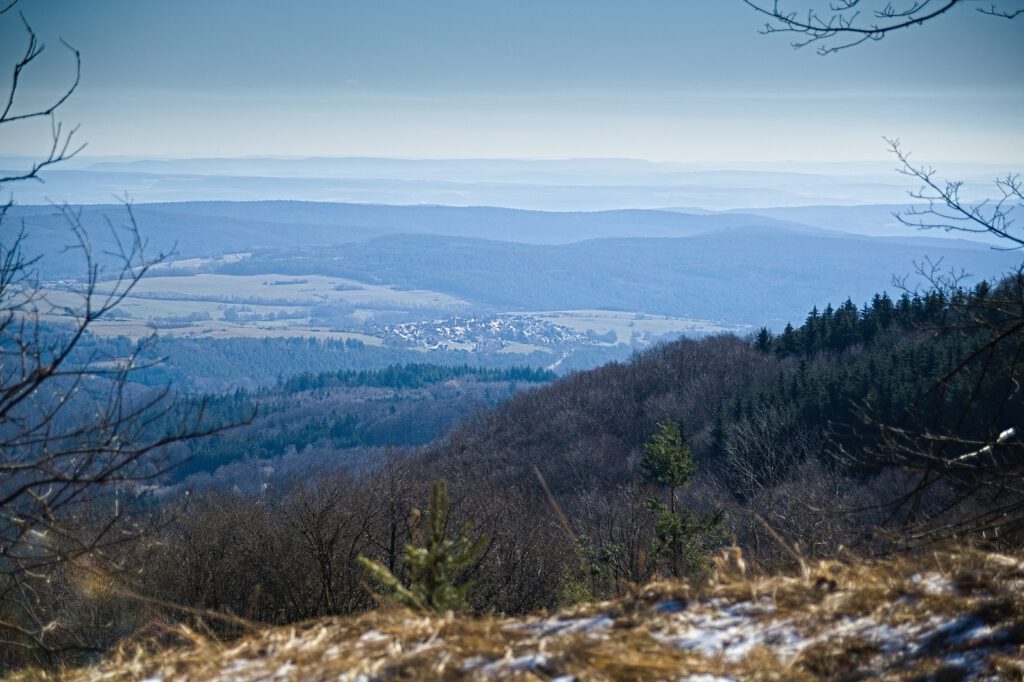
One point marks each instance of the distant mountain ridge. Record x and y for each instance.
(215, 227)
(751, 275)
(541, 184)
(731, 267)
(528, 189)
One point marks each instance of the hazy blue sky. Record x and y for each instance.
(686, 80)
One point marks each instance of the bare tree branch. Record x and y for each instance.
(947, 210)
(995, 11)
(77, 431)
(62, 146)
(844, 24)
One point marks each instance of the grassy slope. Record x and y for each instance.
(948, 615)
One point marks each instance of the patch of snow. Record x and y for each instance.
(373, 637)
(887, 639)
(285, 671)
(749, 608)
(963, 630)
(973, 663)
(525, 662)
(733, 632)
(586, 625)
(933, 584)
(565, 626)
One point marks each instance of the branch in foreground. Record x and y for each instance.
(845, 25)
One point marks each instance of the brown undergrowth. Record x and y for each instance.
(946, 615)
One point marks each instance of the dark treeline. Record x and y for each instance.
(888, 352)
(771, 423)
(413, 375)
(835, 329)
(214, 365)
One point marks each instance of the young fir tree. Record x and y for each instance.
(436, 571)
(683, 538)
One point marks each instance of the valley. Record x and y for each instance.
(603, 282)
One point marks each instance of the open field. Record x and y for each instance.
(224, 330)
(289, 290)
(288, 306)
(226, 306)
(523, 348)
(196, 263)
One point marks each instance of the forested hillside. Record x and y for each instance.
(344, 420)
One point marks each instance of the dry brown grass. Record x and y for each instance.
(949, 615)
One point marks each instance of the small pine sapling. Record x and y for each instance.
(682, 537)
(436, 571)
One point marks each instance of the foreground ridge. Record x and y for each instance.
(952, 615)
